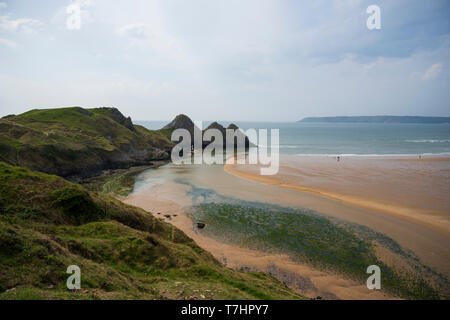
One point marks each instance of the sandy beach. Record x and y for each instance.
(417, 190)
(390, 197)
(301, 277)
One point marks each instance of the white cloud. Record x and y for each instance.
(8, 43)
(85, 89)
(84, 3)
(26, 25)
(139, 31)
(3, 5)
(162, 48)
(245, 58)
(433, 72)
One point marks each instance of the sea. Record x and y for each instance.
(239, 211)
(349, 139)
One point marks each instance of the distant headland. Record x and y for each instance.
(379, 119)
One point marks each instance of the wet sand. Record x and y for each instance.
(302, 278)
(417, 192)
(424, 230)
(424, 159)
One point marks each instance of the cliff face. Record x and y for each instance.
(77, 142)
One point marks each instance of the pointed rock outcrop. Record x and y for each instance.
(184, 122)
(117, 116)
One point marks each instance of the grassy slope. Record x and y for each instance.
(76, 141)
(48, 223)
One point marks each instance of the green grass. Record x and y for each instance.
(48, 223)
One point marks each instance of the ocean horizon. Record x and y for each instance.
(349, 139)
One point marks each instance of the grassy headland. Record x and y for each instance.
(48, 223)
(76, 142)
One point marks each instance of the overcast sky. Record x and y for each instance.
(262, 60)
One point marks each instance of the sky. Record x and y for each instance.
(239, 60)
